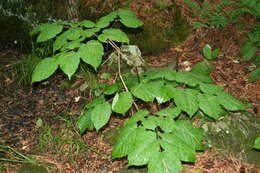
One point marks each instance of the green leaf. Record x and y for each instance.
(59, 42)
(190, 134)
(89, 32)
(166, 124)
(113, 34)
(100, 115)
(210, 106)
(87, 23)
(187, 78)
(229, 102)
(131, 22)
(122, 102)
(111, 89)
(104, 21)
(144, 149)
(50, 32)
(247, 50)
(198, 25)
(202, 68)
(186, 100)
(69, 63)
(73, 33)
(125, 141)
(257, 143)
(44, 69)
(84, 122)
(172, 112)
(177, 146)
(215, 53)
(91, 53)
(254, 75)
(40, 28)
(211, 88)
(164, 162)
(139, 116)
(142, 91)
(151, 122)
(71, 45)
(207, 52)
(95, 102)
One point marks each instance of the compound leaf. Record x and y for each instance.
(100, 115)
(122, 102)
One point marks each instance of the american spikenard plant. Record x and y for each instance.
(76, 41)
(160, 140)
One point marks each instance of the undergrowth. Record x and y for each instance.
(160, 139)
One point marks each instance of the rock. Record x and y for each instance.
(235, 134)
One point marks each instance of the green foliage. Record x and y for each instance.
(223, 13)
(255, 75)
(168, 140)
(257, 143)
(209, 54)
(75, 41)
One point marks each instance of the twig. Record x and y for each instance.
(119, 69)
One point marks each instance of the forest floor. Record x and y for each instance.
(57, 142)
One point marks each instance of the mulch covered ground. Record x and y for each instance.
(21, 107)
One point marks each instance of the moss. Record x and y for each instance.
(161, 31)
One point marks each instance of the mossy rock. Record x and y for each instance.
(161, 29)
(236, 134)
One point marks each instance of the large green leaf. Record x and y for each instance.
(59, 42)
(111, 89)
(174, 144)
(104, 21)
(149, 91)
(87, 23)
(172, 112)
(211, 88)
(69, 63)
(186, 100)
(40, 28)
(44, 69)
(122, 102)
(229, 102)
(164, 162)
(113, 34)
(202, 68)
(187, 78)
(91, 53)
(84, 122)
(188, 133)
(257, 143)
(100, 115)
(210, 106)
(95, 102)
(71, 45)
(73, 33)
(144, 149)
(51, 31)
(131, 22)
(125, 141)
